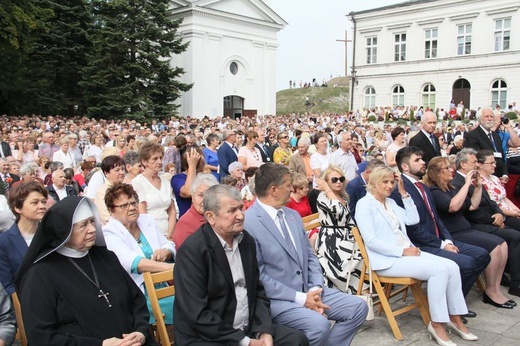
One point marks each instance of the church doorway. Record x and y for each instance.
(461, 92)
(233, 106)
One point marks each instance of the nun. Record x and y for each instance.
(72, 289)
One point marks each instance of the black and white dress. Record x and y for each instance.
(335, 245)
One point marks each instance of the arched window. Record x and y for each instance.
(499, 93)
(398, 96)
(428, 96)
(370, 97)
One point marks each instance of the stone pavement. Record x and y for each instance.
(493, 326)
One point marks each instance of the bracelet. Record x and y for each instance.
(326, 192)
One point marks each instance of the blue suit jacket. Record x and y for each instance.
(12, 250)
(376, 228)
(282, 274)
(423, 234)
(356, 190)
(226, 155)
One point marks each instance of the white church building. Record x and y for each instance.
(428, 52)
(231, 58)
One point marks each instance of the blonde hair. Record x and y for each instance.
(328, 171)
(377, 175)
(299, 181)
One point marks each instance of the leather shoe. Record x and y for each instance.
(514, 290)
(464, 320)
(470, 314)
(490, 301)
(512, 302)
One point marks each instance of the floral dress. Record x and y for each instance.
(282, 156)
(496, 191)
(335, 245)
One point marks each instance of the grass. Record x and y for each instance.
(334, 100)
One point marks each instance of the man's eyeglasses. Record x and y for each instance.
(334, 180)
(127, 205)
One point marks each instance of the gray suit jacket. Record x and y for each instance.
(7, 319)
(282, 274)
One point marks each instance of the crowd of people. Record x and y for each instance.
(220, 201)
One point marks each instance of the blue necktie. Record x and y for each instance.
(288, 243)
(490, 135)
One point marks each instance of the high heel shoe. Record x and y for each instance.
(439, 341)
(466, 336)
(490, 301)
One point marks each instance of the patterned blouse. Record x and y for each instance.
(282, 155)
(496, 191)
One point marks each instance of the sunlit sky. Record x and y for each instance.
(307, 45)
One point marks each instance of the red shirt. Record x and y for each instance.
(186, 226)
(303, 207)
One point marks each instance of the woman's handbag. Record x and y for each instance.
(366, 297)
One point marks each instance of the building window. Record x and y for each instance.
(371, 50)
(499, 93)
(400, 47)
(502, 34)
(233, 68)
(464, 39)
(370, 97)
(430, 43)
(398, 96)
(428, 96)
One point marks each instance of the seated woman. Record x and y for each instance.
(194, 217)
(495, 189)
(136, 241)
(451, 205)
(133, 166)
(73, 290)
(27, 201)
(236, 170)
(192, 163)
(382, 224)
(113, 168)
(299, 200)
(247, 191)
(335, 243)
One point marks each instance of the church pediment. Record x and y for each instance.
(254, 10)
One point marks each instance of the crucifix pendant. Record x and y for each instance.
(104, 295)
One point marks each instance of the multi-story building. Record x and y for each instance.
(428, 52)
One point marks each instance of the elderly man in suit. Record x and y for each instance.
(425, 139)
(299, 163)
(58, 190)
(356, 188)
(5, 150)
(219, 297)
(6, 179)
(483, 137)
(430, 234)
(227, 152)
(489, 218)
(289, 268)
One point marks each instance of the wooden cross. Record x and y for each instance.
(346, 40)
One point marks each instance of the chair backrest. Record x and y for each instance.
(311, 221)
(361, 244)
(19, 320)
(154, 294)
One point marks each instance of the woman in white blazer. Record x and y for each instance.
(136, 241)
(382, 224)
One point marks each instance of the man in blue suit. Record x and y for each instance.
(356, 188)
(227, 153)
(289, 269)
(430, 234)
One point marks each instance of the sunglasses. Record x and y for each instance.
(334, 180)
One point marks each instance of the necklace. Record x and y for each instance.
(94, 282)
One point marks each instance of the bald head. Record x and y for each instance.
(429, 121)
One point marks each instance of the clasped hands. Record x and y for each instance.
(314, 302)
(132, 339)
(263, 340)
(161, 255)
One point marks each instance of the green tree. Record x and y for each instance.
(129, 72)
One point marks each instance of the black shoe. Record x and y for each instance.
(490, 301)
(465, 321)
(514, 290)
(470, 314)
(512, 302)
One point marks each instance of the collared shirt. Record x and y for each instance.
(62, 193)
(241, 319)
(346, 161)
(413, 180)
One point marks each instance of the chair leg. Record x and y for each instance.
(388, 310)
(481, 283)
(422, 302)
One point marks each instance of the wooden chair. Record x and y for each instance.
(154, 294)
(377, 281)
(18, 312)
(311, 221)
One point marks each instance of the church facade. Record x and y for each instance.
(231, 58)
(428, 52)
